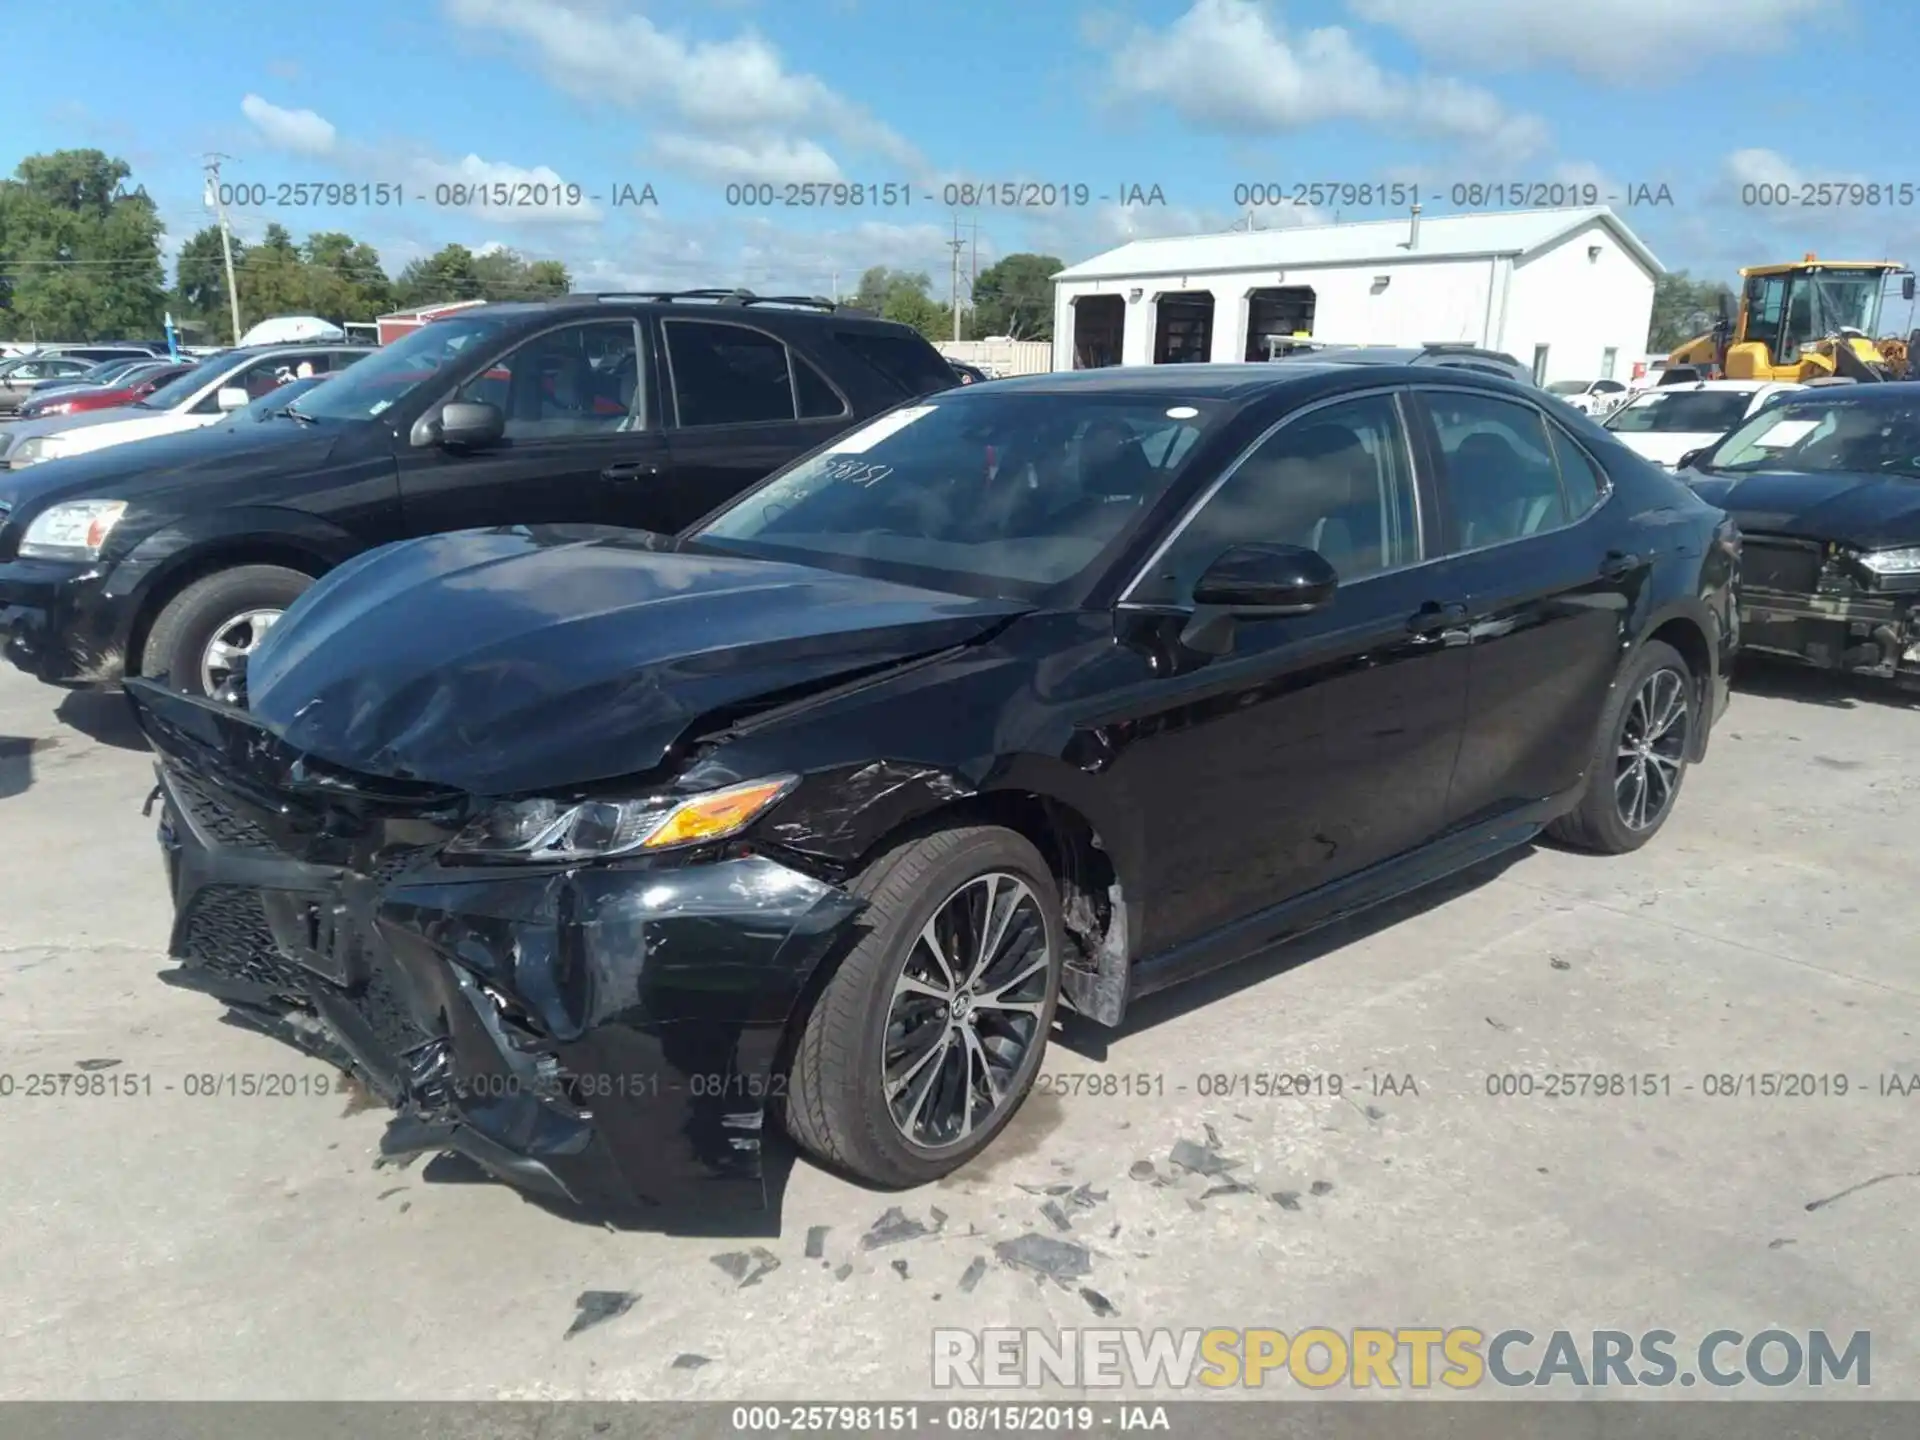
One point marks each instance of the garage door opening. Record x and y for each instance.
(1276, 317)
(1099, 326)
(1183, 328)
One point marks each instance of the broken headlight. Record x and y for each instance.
(540, 831)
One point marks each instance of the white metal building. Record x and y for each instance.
(1570, 291)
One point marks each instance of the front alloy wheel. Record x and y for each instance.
(966, 1010)
(1652, 750)
(931, 1029)
(233, 641)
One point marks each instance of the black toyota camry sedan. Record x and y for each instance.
(597, 852)
(1825, 486)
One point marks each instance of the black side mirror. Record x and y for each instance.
(470, 424)
(1255, 582)
(1685, 462)
(1727, 309)
(1906, 287)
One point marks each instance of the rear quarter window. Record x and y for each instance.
(908, 363)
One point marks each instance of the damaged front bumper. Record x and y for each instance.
(63, 622)
(1806, 601)
(609, 1036)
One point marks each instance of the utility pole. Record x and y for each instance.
(955, 245)
(212, 197)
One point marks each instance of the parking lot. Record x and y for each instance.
(164, 1243)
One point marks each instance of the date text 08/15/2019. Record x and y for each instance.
(952, 195)
(447, 195)
(1460, 194)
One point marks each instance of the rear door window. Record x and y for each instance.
(1501, 473)
(728, 374)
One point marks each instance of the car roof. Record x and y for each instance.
(718, 304)
(1237, 381)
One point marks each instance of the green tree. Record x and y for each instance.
(79, 250)
(448, 274)
(1683, 308)
(200, 280)
(1014, 296)
(907, 297)
(273, 281)
(345, 280)
(456, 273)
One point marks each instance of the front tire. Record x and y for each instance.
(928, 1036)
(1646, 733)
(213, 621)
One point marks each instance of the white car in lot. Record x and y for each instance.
(1663, 424)
(1589, 397)
(207, 393)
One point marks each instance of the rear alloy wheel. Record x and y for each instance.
(216, 622)
(1652, 750)
(1635, 774)
(928, 1035)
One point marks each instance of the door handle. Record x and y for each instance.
(1618, 565)
(637, 470)
(1433, 617)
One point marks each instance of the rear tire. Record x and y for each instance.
(870, 1023)
(1628, 773)
(214, 608)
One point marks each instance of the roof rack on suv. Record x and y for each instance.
(721, 297)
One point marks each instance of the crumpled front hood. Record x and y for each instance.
(514, 660)
(1871, 511)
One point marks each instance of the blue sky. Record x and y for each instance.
(1193, 96)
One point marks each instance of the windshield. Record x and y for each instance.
(373, 385)
(1844, 299)
(1825, 436)
(978, 492)
(183, 389)
(1681, 412)
(1567, 387)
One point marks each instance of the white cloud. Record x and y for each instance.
(1229, 65)
(734, 99)
(301, 131)
(776, 161)
(493, 190)
(1620, 41)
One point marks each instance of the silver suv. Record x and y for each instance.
(1458, 356)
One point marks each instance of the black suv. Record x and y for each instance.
(171, 556)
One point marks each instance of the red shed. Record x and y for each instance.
(403, 322)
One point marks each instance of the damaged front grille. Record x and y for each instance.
(214, 815)
(225, 931)
(1783, 567)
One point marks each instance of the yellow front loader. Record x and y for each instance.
(1810, 320)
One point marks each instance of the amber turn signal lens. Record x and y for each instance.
(718, 814)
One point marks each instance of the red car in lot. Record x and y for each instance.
(74, 402)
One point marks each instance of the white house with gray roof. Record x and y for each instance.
(1568, 291)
